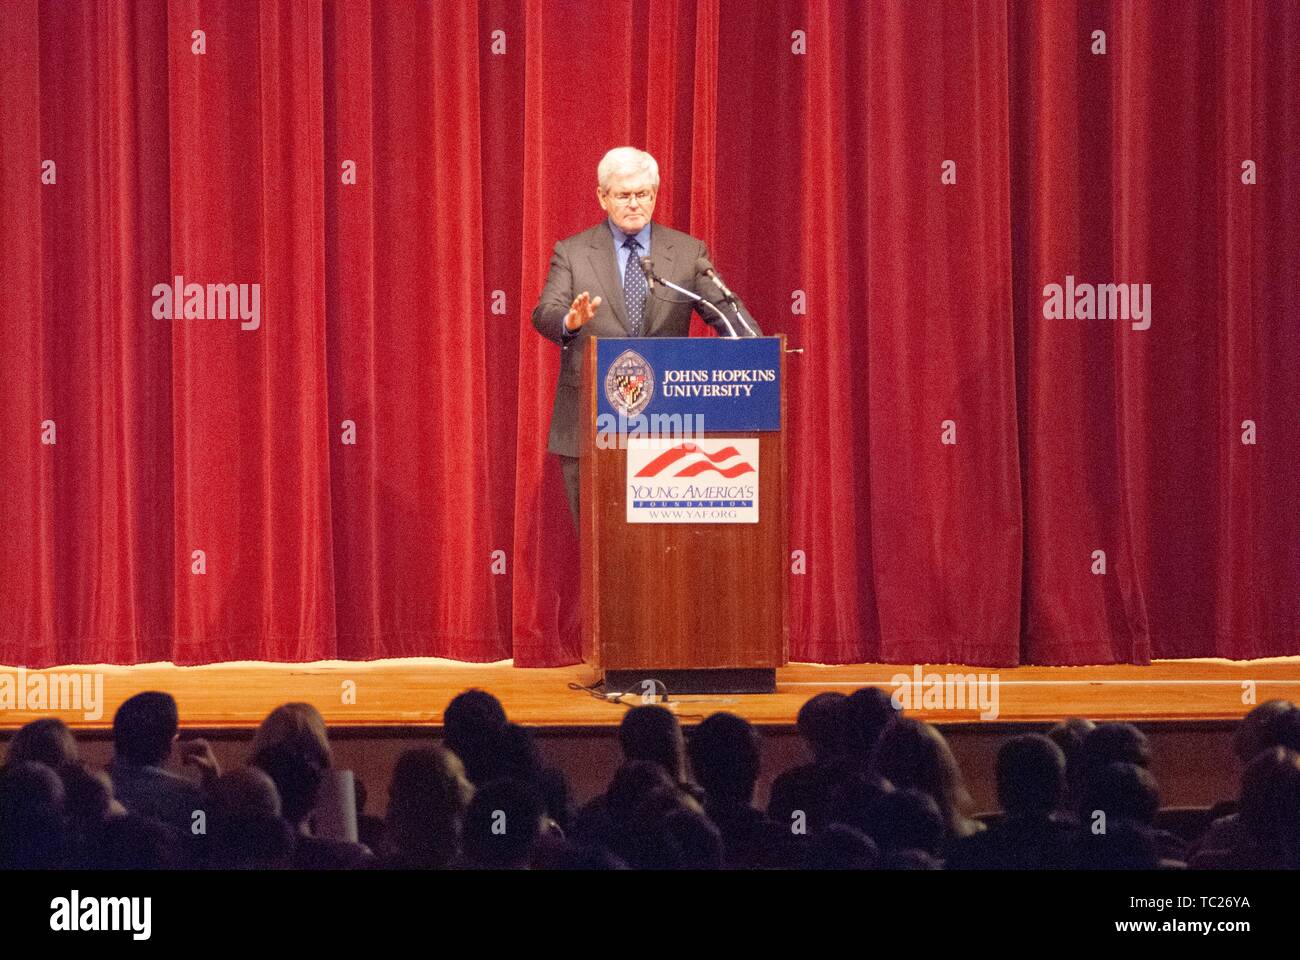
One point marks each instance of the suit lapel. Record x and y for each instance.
(662, 251)
(605, 264)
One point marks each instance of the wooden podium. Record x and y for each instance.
(695, 603)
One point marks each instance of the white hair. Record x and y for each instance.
(626, 160)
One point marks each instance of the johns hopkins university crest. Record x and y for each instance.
(629, 384)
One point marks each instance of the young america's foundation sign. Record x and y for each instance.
(692, 481)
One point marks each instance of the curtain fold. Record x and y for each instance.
(360, 470)
(412, 495)
(28, 633)
(940, 439)
(1083, 592)
(250, 457)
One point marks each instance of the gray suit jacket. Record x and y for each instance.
(587, 261)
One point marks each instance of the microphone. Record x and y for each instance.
(702, 266)
(651, 278)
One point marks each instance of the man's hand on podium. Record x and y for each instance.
(583, 309)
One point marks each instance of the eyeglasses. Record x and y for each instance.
(643, 197)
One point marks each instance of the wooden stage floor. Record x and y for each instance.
(413, 692)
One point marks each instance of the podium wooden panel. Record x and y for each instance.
(697, 606)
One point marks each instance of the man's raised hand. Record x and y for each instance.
(582, 310)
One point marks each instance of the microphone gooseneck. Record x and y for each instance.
(702, 266)
(692, 294)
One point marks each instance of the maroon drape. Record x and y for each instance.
(364, 474)
(1128, 167)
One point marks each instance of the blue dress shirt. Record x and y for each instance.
(642, 237)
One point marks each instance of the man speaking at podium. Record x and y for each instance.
(598, 287)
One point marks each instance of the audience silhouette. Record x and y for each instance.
(879, 790)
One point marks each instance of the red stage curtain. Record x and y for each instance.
(364, 473)
(1127, 167)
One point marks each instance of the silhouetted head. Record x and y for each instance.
(840, 847)
(910, 860)
(697, 841)
(565, 855)
(472, 726)
(144, 728)
(633, 782)
(299, 726)
(912, 753)
(852, 802)
(652, 733)
(517, 755)
(1289, 806)
(1270, 785)
(133, 842)
(427, 800)
(908, 819)
(297, 777)
(246, 828)
(1030, 775)
(1124, 846)
(725, 756)
(47, 741)
(88, 794)
(1123, 792)
(243, 794)
(1069, 735)
(502, 825)
(867, 713)
(1249, 737)
(259, 843)
(669, 831)
(1274, 723)
(1114, 743)
(33, 832)
(823, 723)
(30, 783)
